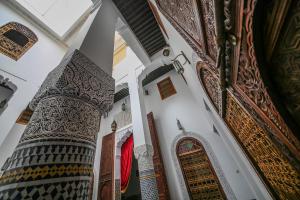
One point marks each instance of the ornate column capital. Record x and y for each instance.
(78, 77)
(145, 150)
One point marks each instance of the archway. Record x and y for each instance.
(211, 162)
(132, 190)
(200, 177)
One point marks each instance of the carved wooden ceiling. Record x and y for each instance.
(247, 71)
(141, 20)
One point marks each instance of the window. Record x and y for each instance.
(166, 88)
(25, 116)
(200, 177)
(16, 39)
(7, 89)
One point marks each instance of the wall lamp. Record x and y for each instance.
(178, 66)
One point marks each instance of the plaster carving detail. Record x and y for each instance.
(195, 21)
(58, 117)
(56, 152)
(121, 136)
(77, 76)
(144, 154)
(225, 185)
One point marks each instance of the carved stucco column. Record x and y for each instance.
(144, 155)
(55, 155)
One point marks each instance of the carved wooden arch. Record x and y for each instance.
(210, 82)
(16, 39)
(248, 84)
(194, 160)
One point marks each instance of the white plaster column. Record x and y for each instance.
(143, 149)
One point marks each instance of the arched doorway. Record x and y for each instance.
(132, 190)
(199, 175)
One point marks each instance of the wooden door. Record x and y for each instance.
(159, 169)
(106, 176)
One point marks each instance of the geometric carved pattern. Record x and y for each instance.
(55, 155)
(195, 21)
(77, 189)
(249, 84)
(278, 173)
(16, 39)
(210, 83)
(201, 179)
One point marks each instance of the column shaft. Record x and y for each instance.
(148, 184)
(55, 155)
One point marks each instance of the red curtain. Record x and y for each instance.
(126, 162)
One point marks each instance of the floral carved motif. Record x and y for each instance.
(249, 83)
(195, 21)
(59, 117)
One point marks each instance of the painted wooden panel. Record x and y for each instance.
(106, 177)
(159, 169)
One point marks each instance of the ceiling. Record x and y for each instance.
(142, 22)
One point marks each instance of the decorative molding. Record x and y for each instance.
(122, 135)
(16, 39)
(225, 185)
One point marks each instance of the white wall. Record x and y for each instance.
(29, 71)
(121, 70)
(183, 106)
(51, 14)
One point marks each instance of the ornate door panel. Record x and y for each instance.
(195, 21)
(200, 177)
(106, 176)
(159, 169)
(277, 172)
